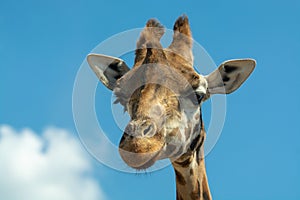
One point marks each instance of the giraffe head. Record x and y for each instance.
(163, 93)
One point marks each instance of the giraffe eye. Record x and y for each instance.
(199, 97)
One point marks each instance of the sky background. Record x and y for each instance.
(42, 45)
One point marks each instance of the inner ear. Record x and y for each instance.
(107, 68)
(229, 76)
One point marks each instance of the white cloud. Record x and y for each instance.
(51, 166)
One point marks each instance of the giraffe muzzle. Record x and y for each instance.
(141, 144)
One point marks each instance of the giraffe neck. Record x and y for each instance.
(191, 179)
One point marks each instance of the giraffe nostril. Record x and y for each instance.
(149, 131)
(139, 130)
(146, 130)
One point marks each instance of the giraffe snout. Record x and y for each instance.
(141, 144)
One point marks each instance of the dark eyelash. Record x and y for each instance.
(195, 98)
(199, 97)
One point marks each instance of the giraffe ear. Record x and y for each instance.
(108, 69)
(229, 76)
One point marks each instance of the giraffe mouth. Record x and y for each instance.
(140, 161)
(148, 163)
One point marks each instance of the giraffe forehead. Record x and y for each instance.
(154, 101)
(178, 78)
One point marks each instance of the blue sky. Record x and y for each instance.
(43, 43)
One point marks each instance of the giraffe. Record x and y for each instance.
(163, 95)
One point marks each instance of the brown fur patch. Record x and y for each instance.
(196, 193)
(205, 196)
(191, 172)
(179, 178)
(179, 197)
(186, 162)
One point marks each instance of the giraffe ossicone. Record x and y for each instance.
(163, 95)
